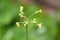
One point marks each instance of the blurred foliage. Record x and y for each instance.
(9, 10)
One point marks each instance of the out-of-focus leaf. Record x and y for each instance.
(8, 12)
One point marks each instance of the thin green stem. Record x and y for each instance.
(27, 32)
(31, 15)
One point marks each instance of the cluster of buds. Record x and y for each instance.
(26, 21)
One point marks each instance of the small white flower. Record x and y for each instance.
(26, 23)
(17, 23)
(39, 25)
(39, 11)
(34, 21)
(22, 16)
(21, 8)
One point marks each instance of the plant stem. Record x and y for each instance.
(27, 32)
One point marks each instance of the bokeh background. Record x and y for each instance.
(50, 19)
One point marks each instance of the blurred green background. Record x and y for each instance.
(9, 10)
